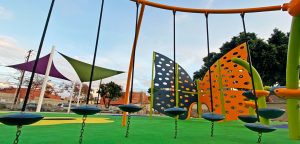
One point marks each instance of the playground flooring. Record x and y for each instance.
(158, 130)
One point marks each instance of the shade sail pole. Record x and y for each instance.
(46, 77)
(79, 94)
(71, 96)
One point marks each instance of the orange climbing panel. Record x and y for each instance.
(229, 80)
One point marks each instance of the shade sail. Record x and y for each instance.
(41, 67)
(83, 70)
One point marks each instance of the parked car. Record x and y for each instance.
(33, 106)
(65, 105)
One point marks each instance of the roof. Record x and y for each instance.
(137, 98)
(34, 93)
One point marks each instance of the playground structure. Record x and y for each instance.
(290, 93)
(162, 89)
(228, 83)
(292, 7)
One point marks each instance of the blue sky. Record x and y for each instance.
(73, 25)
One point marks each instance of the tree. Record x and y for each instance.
(268, 57)
(50, 89)
(154, 90)
(279, 41)
(36, 83)
(109, 92)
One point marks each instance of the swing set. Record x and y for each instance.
(22, 119)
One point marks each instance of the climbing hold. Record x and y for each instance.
(86, 110)
(131, 108)
(287, 93)
(272, 90)
(249, 95)
(20, 119)
(261, 93)
(249, 104)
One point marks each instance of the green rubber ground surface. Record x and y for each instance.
(159, 130)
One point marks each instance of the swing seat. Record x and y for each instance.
(260, 128)
(131, 108)
(20, 119)
(270, 113)
(213, 117)
(86, 110)
(248, 118)
(249, 95)
(173, 112)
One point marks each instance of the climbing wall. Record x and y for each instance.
(229, 80)
(164, 94)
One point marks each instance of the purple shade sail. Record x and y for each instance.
(41, 67)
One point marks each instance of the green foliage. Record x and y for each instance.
(268, 57)
(109, 92)
(154, 90)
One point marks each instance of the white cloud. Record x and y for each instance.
(11, 52)
(5, 13)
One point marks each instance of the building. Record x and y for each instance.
(7, 95)
(138, 98)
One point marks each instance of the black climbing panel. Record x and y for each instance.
(164, 96)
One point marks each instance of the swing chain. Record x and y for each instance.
(212, 129)
(18, 133)
(128, 125)
(176, 126)
(259, 138)
(82, 129)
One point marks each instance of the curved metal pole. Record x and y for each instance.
(214, 11)
(131, 62)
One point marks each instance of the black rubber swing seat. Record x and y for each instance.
(131, 108)
(270, 113)
(260, 128)
(86, 110)
(20, 119)
(249, 95)
(248, 118)
(175, 111)
(213, 117)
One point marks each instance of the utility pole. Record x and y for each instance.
(16, 100)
